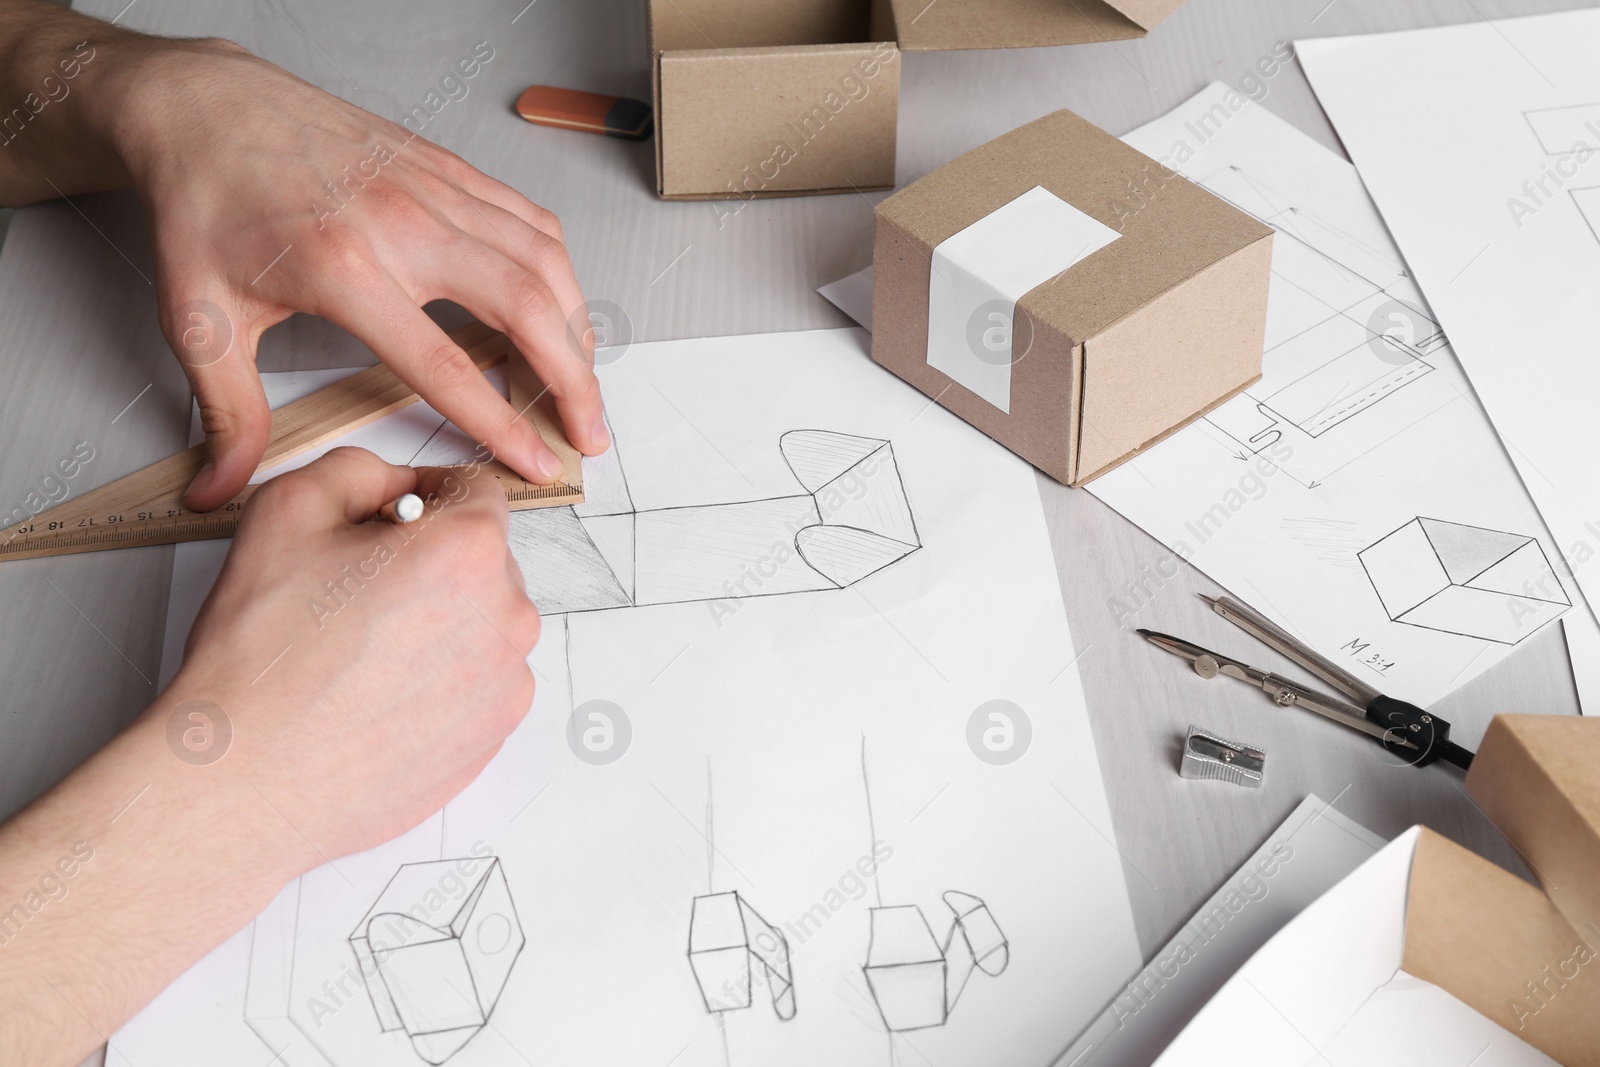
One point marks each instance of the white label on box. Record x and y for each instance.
(979, 275)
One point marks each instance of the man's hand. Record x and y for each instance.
(343, 680)
(234, 160)
(403, 648)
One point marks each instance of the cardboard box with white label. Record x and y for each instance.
(758, 98)
(1068, 295)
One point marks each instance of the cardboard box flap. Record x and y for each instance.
(1147, 13)
(956, 24)
(676, 24)
(1500, 946)
(1536, 778)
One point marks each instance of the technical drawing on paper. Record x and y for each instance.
(1566, 131)
(915, 978)
(432, 973)
(729, 943)
(1345, 332)
(1464, 580)
(849, 518)
(733, 951)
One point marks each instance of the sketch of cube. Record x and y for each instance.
(915, 980)
(906, 969)
(728, 943)
(436, 949)
(1465, 580)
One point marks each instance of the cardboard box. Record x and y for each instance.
(1503, 948)
(919, 26)
(1502, 965)
(1425, 954)
(758, 98)
(1537, 778)
(1085, 301)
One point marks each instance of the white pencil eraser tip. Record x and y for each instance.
(408, 508)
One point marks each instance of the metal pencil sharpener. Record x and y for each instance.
(1205, 755)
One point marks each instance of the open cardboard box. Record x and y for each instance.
(789, 97)
(1429, 954)
(1537, 778)
(1410, 961)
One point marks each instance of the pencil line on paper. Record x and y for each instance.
(872, 828)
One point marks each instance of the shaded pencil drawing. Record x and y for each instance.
(849, 518)
(435, 967)
(1464, 580)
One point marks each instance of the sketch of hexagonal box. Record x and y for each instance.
(1465, 580)
(435, 963)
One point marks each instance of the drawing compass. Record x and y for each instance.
(1416, 736)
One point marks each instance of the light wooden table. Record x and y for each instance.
(80, 637)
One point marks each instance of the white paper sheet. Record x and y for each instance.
(1478, 143)
(759, 728)
(1361, 458)
(1307, 855)
(852, 295)
(1328, 991)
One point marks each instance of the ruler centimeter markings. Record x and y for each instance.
(146, 507)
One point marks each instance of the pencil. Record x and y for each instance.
(402, 509)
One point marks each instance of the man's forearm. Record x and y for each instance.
(119, 879)
(54, 113)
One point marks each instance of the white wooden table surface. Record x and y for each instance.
(80, 636)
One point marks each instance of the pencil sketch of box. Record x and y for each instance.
(729, 943)
(1464, 580)
(846, 518)
(436, 948)
(914, 978)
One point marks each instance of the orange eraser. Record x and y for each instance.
(574, 109)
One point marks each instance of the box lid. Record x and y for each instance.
(920, 26)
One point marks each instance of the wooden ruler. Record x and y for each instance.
(146, 507)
